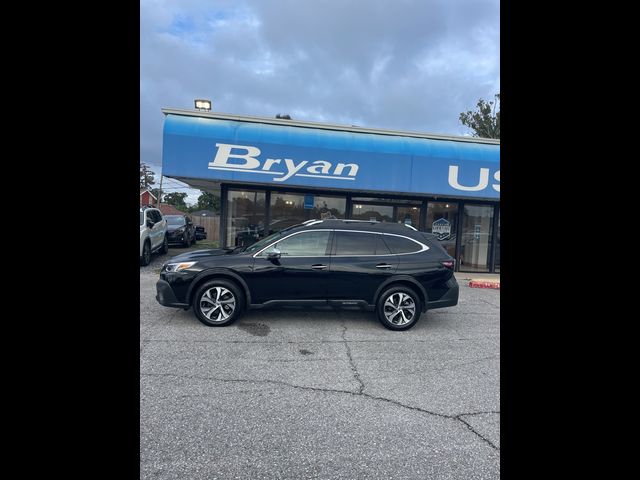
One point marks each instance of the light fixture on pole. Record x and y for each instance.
(203, 105)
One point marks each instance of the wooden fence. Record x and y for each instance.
(211, 226)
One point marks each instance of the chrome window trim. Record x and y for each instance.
(423, 247)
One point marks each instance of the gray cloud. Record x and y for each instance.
(397, 64)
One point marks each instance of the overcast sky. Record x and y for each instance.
(397, 64)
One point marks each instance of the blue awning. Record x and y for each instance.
(239, 151)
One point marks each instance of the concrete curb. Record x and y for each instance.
(475, 283)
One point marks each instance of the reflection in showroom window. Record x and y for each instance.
(309, 244)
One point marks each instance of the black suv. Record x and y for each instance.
(180, 230)
(389, 267)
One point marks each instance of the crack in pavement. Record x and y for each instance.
(493, 305)
(474, 431)
(352, 363)
(331, 390)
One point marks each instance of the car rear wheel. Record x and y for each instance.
(165, 246)
(146, 253)
(218, 303)
(399, 308)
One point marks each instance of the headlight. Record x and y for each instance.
(176, 267)
(179, 230)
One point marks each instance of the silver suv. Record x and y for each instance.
(153, 234)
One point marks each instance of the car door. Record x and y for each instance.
(158, 229)
(360, 263)
(299, 274)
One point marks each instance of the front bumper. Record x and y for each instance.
(176, 238)
(165, 295)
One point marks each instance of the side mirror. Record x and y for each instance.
(150, 224)
(273, 254)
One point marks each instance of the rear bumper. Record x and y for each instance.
(450, 298)
(165, 295)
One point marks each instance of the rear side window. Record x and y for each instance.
(401, 244)
(356, 244)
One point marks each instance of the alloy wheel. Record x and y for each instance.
(217, 304)
(399, 308)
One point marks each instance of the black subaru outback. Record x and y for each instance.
(387, 267)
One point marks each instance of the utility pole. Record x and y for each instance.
(160, 191)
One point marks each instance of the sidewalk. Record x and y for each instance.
(462, 276)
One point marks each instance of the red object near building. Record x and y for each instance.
(148, 198)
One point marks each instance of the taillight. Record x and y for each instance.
(449, 263)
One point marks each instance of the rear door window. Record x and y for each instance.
(359, 244)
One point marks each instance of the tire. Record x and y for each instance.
(399, 319)
(165, 246)
(209, 311)
(145, 259)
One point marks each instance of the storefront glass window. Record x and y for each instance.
(245, 217)
(442, 221)
(477, 226)
(380, 213)
(386, 200)
(409, 216)
(498, 246)
(292, 208)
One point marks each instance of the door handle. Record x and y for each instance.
(318, 266)
(383, 265)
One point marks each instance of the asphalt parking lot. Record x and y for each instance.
(296, 394)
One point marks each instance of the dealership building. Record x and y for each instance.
(272, 173)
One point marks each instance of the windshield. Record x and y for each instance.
(174, 219)
(267, 240)
(141, 218)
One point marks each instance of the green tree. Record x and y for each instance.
(208, 201)
(485, 121)
(146, 176)
(176, 199)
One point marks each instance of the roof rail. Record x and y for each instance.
(349, 220)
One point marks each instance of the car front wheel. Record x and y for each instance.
(399, 308)
(218, 303)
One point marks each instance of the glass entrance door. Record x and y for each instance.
(476, 239)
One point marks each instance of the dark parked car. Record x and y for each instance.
(201, 233)
(387, 267)
(180, 230)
